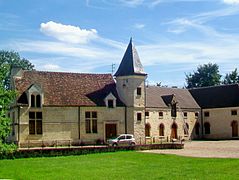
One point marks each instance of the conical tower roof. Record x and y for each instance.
(130, 64)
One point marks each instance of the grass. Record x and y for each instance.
(120, 165)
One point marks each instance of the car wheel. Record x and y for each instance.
(114, 145)
(132, 144)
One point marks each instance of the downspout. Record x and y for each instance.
(79, 121)
(125, 118)
(18, 123)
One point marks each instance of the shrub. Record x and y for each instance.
(7, 150)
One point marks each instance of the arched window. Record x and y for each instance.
(234, 125)
(147, 129)
(35, 100)
(32, 100)
(207, 128)
(161, 129)
(174, 129)
(186, 128)
(197, 128)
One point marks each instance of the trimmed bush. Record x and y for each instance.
(67, 151)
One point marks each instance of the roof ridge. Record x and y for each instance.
(56, 72)
(221, 85)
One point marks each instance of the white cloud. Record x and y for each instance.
(231, 1)
(68, 33)
(51, 67)
(139, 26)
(131, 3)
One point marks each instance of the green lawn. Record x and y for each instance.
(120, 165)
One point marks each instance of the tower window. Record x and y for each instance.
(196, 114)
(139, 91)
(206, 114)
(139, 116)
(185, 114)
(147, 114)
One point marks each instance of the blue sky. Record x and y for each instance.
(172, 37)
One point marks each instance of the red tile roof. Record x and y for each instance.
(69, 89)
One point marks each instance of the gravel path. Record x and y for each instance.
(212, 149)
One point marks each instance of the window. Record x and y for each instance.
(174, 110)
(129, 137)
(160, 114)
(146, 114)
(38, 101)
(207, 128)
(147, 130)
(197, 128)
(110, 103)
(139, 89)
(161, 130)
(196, 114)
(234, 112)
(139, 116)
(91, 122)
(35, 100)
(32, 101)
(35, 123)
(185, 114)
(206, 114)
(186, 128)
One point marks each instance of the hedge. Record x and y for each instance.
(68, 151)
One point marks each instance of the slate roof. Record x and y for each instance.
(130, 64)
(217, 96)
(68, 89)
(159, 97)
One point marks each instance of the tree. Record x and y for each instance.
(206, 75)
(12, 59)
(231, 78)
(6, 96)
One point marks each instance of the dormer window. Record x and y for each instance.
(110, 101)
(36, 100)
(35, 96)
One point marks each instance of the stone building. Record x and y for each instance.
(219, 106)
(88, 108)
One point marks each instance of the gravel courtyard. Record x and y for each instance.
(213, 149)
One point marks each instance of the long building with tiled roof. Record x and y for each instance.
(78, 108)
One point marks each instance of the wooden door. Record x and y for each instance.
(110, 131)
(174, 134)
(234, 129)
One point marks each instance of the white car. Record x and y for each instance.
(122, 140)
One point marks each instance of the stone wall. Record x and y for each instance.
(67, 123)
(154, 120)
(220, 120)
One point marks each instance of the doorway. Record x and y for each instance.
(234, 125)
(174, 128)
(110, 131)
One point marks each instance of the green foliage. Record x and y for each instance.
(231, 78)
(206, 75)
(7, 150)
(120, 165)
(6, 97)
(12, 59)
